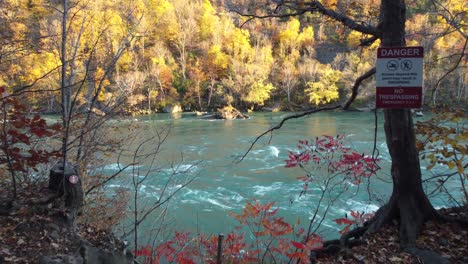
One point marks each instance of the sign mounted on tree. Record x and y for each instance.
(399, 77)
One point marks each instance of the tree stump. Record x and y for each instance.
(65, 181)
(57, 175)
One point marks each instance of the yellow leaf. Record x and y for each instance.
(461, 170)
(430, 166)
(431, 157)
(451, 165)
(395, 259)
(463, 136)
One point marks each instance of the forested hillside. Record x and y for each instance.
(145, 55)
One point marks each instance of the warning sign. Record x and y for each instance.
(399, 77)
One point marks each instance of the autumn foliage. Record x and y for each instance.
(22, 136)
(196, 54)
(357, 219)
(274, 240)
(442, 145)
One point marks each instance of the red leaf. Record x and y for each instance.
(355, 214)
(300, 231)
(36, 118)
(18, 137)
(298, 245)
(343, 221)
(183, 260)
(302, 178)
(41, 132)
(143, 252)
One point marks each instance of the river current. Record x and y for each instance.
(206, 150)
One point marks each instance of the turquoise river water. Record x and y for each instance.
(221, 185)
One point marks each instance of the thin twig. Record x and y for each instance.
(107, 180)
(282, 123)
(356, 85)
(454, 67)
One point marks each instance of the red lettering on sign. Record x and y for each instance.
(398, 97)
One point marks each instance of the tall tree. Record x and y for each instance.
(324, 89)
(186, 33)
(408, 203)
(288, 55)
(65, 87)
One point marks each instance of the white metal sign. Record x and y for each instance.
(399, 77)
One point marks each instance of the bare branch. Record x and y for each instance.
(296, 8)
(450, 18)
(356, 85)
(22, 89)
(282, 123)
(251, 17)
(369, 41)
(123, 46)
(107, 180)
(454, 67)
(163, 201)
(30, 91)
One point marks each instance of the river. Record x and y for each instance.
(222, 185)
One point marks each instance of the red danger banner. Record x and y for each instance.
(403, 52)
(397, 97)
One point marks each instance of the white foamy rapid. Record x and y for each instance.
(207, 199)
(274, 151)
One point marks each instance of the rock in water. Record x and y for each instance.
(229, 112)
(175, 108)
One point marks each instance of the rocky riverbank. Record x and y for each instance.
(34, 230)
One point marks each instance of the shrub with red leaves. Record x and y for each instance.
(330, 154)
(22, 137)
(275, 240)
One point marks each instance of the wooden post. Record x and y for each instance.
(219, 257)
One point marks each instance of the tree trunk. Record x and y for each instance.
(65, 89)
(211, 92)
(199, 96)
(408, 203)
(91, 79)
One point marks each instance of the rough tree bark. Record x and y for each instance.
(65, 89)
(408, 203)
